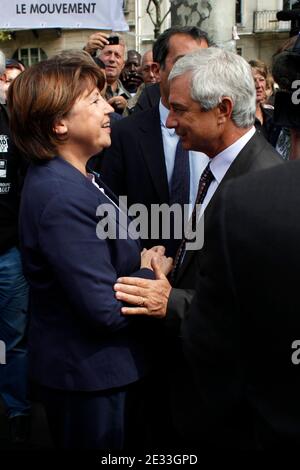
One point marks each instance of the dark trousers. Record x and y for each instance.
(13, 324)
(110, 419)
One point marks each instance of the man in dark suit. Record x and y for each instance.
(248, 334)
(140, 163)
(224, 104)
(227, 136)
(241, 336)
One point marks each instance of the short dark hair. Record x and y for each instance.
(161, 45)
(43, 94)
(133, 52)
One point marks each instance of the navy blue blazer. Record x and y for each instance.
(78, 339)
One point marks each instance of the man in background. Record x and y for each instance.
(131, 76)
(150, 76)
(13, 68)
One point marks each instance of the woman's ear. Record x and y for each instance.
(60, 127)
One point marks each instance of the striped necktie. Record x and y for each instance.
(204, 182)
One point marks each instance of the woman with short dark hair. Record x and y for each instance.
(87, 358)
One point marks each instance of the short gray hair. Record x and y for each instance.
(217, 73)
(2, 63)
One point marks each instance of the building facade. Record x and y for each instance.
(31, 46)
(254, 21)
(258, 29)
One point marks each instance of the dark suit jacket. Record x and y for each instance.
(244, 319)
(78, 339)
(134, 165)
(256, 155)
(149, 97)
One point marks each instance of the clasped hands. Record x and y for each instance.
(147, 296)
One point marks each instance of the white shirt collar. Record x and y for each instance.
(163, 112)
(221, 162)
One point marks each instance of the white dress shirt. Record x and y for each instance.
(221, 163)
(91, 177)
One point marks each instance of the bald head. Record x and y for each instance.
(149, 68)
(147, 57)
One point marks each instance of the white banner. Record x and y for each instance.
(35, 14)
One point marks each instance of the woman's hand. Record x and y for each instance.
(157, 252)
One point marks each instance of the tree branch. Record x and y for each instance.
(149, 12)
(165, 16)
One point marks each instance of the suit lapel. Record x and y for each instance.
(121, 219)
(71, 173)
(153, 152)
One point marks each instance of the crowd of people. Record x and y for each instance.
(140, 339)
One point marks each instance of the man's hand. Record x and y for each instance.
(131, 80)
(151, 296)
(118, 102)
(96, 41)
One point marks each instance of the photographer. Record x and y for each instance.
(112, 51)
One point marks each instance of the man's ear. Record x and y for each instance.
(225, 109)
(60, 127)
(155, 68)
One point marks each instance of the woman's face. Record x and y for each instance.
(88, 123)
(260, 85)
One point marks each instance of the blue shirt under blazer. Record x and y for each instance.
(78, 339)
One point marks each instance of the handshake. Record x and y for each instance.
(147, 296)
(156, 256)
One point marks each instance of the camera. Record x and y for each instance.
(293, 16)
(286, 112)
(286, 72)
(113, 40)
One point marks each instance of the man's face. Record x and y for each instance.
(149, 69)
(10, 74)
(179, 45)
(132, 77)
(133, 62)
(113, 58)
(198, 129)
